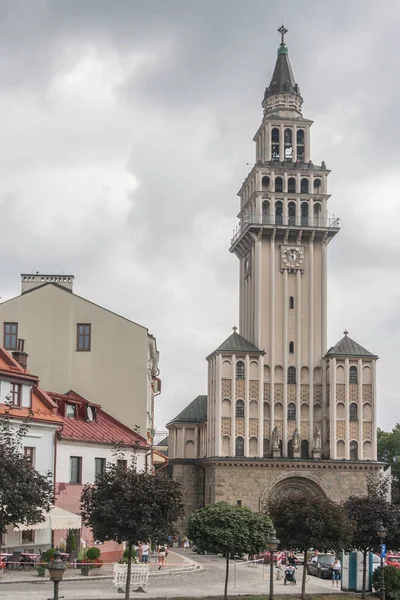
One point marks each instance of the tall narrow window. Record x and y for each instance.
(265, 183)
(291, 347)
(266, 448)
(304, 449)
(291, 411)
(353, 412)
(291, 302)
(265, 212)
(288, 144)
(239, 446)
(75, 469)
(239, 408)
(300, 145)
(15, 394)
(353, 375)
(99, 466)
(10, 336)
(278, 212)
(291, 375)
(292, 213)
(290, 449)
(304, 213)
(275, 146)
(240, 369)
(353, 450)
(83, 342)
(278, 184)
(317, 186)
(304, 186)
(291, 185)
(29, 454)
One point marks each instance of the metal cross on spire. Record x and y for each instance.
(282, 30)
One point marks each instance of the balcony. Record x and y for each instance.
(285, 221)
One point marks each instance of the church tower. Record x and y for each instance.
(283, 412)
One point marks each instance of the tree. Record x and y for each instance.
(389, 453)
(366, 513)
(305, 522)
(25, 494)
(125, 505)
(228, 530)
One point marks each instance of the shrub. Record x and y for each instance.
(392, 582)
(50, 554)
(93, 553)
(41, 571)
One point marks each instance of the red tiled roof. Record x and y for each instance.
(105, 429)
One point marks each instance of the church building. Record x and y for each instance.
(283, 412)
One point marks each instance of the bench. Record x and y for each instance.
(139, 577)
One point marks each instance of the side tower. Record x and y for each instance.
(281, 243)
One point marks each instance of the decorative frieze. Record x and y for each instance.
(340, 431)
(353, 392)
(367, 430)
(340, 392)
(304, 392)
(266, 429)
(253, 427)
(239, 388)
(290, 428)
(278, 390)
(226, 388)
(253, 389)
(226, 426)
(304, 430)
(367, 392)
(239, 429)
(317, 394)
(291, 392)
(353, 430)
(266, 392)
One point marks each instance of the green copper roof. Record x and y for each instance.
(195, 412)
(237, 343)
(348, 347)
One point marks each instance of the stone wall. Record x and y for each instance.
(191, 477)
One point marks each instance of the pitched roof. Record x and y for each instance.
(104, 429)
(348, 347)
(163, 442)
(282, 80)
(237, 343)
(195, 412)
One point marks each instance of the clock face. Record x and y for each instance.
(292, 256)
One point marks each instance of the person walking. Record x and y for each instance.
(336, 571)
(162, 552)
(145, 552)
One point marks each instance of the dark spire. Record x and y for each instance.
(282, 81)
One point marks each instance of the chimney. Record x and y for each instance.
(20, 355)
(30, 281)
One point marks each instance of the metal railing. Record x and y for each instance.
(314, 221)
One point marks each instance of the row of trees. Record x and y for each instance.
(302, 522)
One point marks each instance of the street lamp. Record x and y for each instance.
(381, 531)
(56, 568)
(273, 543)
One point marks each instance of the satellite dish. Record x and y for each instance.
(90, 413)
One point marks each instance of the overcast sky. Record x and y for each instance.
(126, 126)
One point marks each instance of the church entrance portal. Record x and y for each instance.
(290, 485)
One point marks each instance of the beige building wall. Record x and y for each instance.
(115, 373)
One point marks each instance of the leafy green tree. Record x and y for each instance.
(229, 530)
(366, 513)
(389, 453)
(125, 505)
(392, 582)
(304, 522)
(25, 494)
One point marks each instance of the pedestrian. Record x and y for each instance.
(145, 552)
(186, 545)
(162, 551)
(291, 560)
(336, 570)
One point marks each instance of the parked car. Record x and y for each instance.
(320, 565)
(393, 560)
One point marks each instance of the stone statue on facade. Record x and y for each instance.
(275, 439)
(296, 441)
(317, 439)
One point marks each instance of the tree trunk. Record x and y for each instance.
(303, 581)
(226, 577)
(364, 573)
(128, 574)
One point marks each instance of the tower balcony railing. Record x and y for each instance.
(312, 222)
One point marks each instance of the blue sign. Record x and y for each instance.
(383, 550)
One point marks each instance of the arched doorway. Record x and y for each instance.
(292, 484)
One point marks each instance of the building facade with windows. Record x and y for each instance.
(283, 411)
(85, 445)
(76, 344)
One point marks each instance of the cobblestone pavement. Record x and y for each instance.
(244, 579)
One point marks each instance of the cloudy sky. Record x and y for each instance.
(126, 126)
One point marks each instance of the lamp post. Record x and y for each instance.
(381, 531)
(273, 543)
(56, 568)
